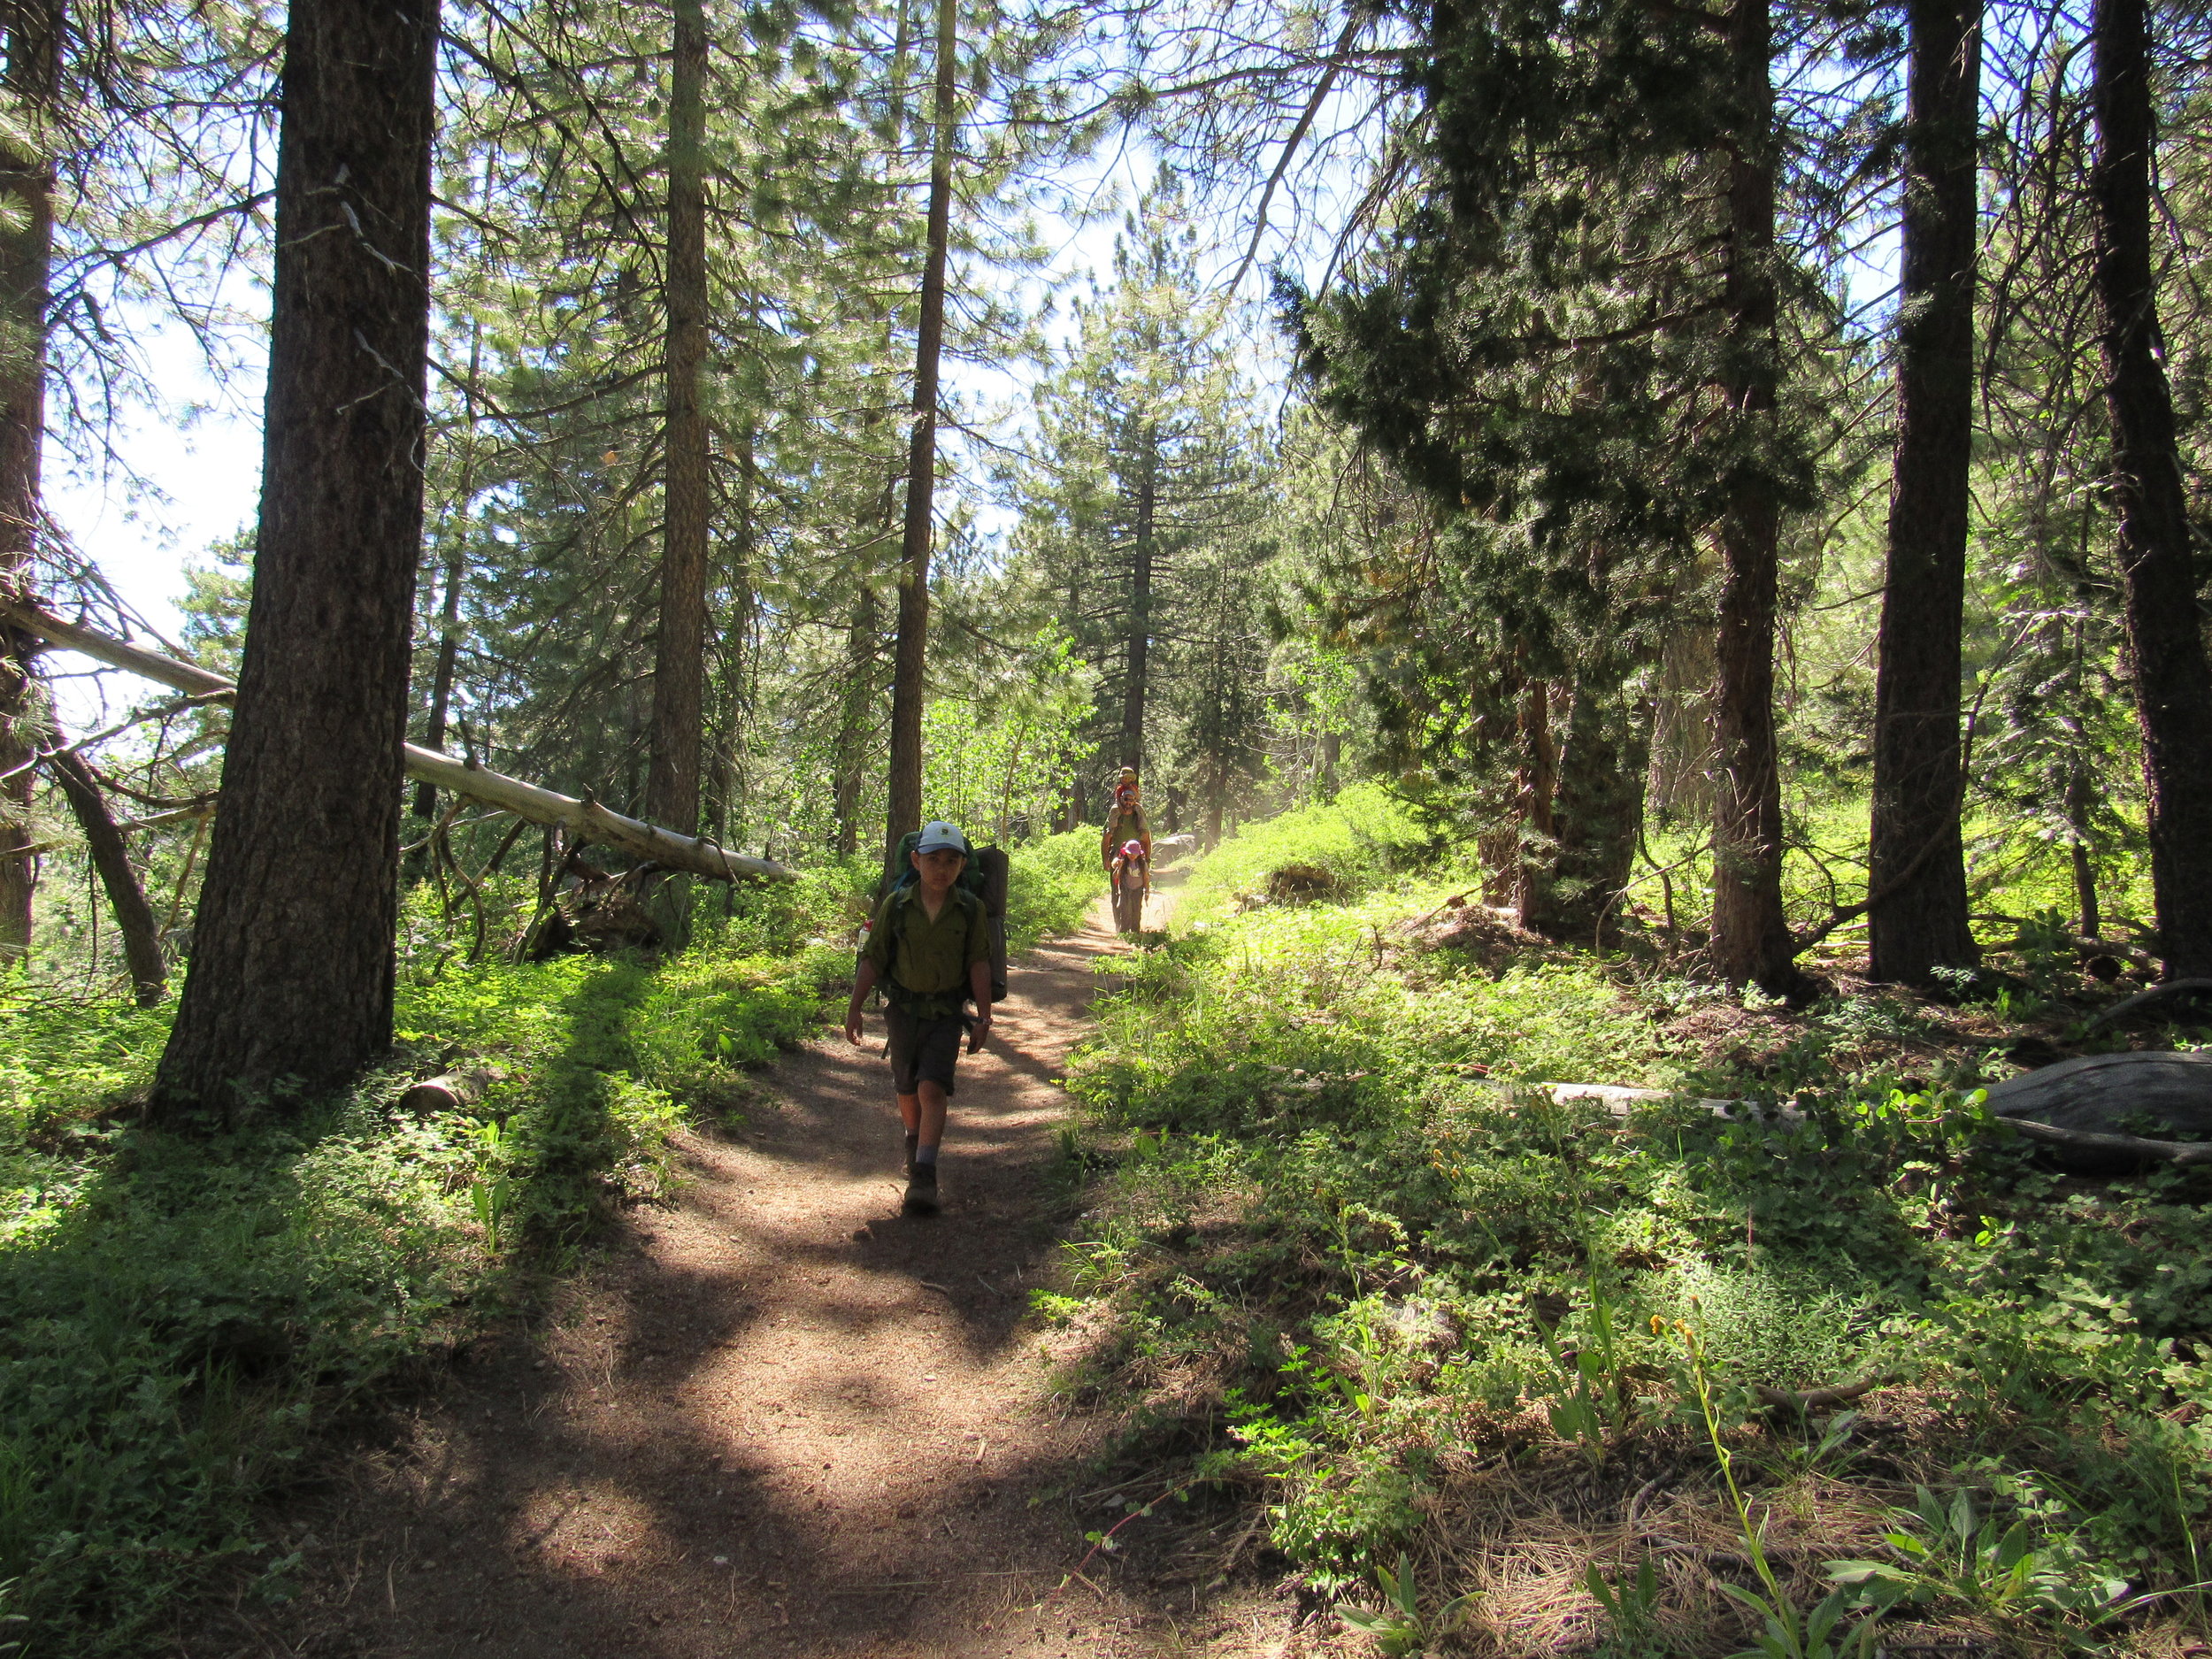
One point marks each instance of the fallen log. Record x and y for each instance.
(1804, 1400)
(2072, 1110)
(585, 819)
(449, 1091)
(2076, 1109)
(2163, 992)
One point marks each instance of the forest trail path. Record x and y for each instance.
(779, 1418)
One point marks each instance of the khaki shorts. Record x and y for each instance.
(923, 1050)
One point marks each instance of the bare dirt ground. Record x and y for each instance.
(780, 1419)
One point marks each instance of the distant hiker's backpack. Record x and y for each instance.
(986, 877)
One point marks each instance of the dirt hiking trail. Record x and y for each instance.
(778, 1418)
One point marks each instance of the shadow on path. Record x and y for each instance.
(780, 1419)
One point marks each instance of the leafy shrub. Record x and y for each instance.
(1329, 1234)
(179, 1317)
(1360, 838)
(1052, 882)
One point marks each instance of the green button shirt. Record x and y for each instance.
(929, 971)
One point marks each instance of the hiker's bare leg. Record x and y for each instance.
(929, 1121)
(910, 1112)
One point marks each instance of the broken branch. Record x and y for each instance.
(585, 820)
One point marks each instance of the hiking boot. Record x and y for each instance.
(921, 1190)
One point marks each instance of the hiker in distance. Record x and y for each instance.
(929, 948)
(1125, 821)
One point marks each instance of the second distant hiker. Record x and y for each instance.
(929, 948)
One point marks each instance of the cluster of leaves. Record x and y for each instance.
(1341, 1248)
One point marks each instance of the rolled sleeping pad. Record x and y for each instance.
(997, 871)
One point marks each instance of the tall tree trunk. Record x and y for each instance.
(740, 668)
(852, 731)
(1332, 757)
(1599, 814)
(1529, 848)
(112, 858)
(292, 957)
(679, 664)
(911, 656)
(1137, 660)
(2088, 919)
(2165, 621)
(33, 80)
(457, 558)
(1917, 873)
(1751, 937)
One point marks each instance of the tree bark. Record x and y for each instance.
(1917, 922)
(679, 668)
(2165, 620)
(1530, 845)
(852, 732)
(32, 79)
(911, 658)
(1138, 655)
(291, 982)
(456, 572)
(1750, 935)
(2088, 922)
(112, 858)
(1599, 813)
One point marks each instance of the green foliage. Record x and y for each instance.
(998, 746)
(180, 1318)
(1360, 838)
(1955, 1551)
(1400, 1627)
(1314, 1179)
(1052, 882)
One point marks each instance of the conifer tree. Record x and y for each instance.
(672, 786)
(291, 979)
(31, 76)
(2157, 552)
(904, 812)
(1145, 479)
(1916, 864)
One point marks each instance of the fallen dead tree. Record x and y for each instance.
(585, 819)
(2075, 1110)
(2079, 1109)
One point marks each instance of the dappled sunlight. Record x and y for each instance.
(776, 1408)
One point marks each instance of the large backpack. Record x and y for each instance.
(986, 877)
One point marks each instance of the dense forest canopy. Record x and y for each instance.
(1740, 468)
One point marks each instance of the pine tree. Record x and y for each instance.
(1916, 864)
(2165, 624)
(1146, 477)
(291, 978)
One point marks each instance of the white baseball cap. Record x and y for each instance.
(937, 835)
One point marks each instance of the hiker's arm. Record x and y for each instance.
(864, 982)
(979, 987)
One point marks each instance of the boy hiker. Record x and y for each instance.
(929, 946)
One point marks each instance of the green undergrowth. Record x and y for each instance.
(1055, 880)
(1360, 839)
(1337, 1247)
(181, 1318)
